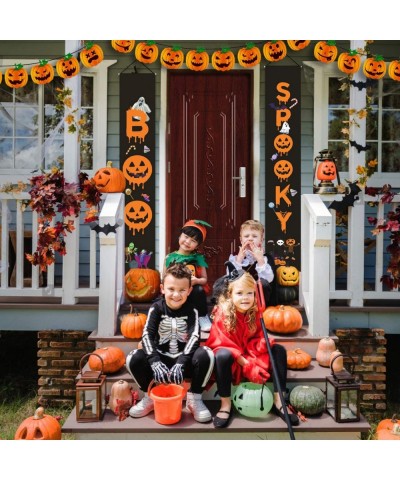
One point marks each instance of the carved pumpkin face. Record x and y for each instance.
(298, 44)
(42, 73)
(146, 52)
(138, 215)
(137, 170)
(394, 70)
(283, 169)
(325, 52)
(197, 60)
(109, 179)
(349, 62)
(172, 58)
(68, 66)
(223, 60)
(92, 55)
(326, 170)
(287, 276)
(123, 46)
(16, 77)
(275, 51)
(374, 67)
(283, 143)
(249, 56)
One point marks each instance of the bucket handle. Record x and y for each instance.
(88, 355)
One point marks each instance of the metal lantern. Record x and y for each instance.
(343, 395)
(326, 175)
(90, 393)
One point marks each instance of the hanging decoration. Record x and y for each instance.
(146, 52)
(349, 62)
(223, 60)
(197, 60)
(91, 55)
(249, 56)
(298, 44)
(325, 51)
(42, 73)
(172, 57)
(16, 77)
(68, 66)
(394, 70)
(374, 67)
(123, 46)
(275, 50)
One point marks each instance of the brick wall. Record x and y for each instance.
(368, 349)
(59, 353)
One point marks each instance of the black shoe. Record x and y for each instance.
(294, 419)
(222, 422)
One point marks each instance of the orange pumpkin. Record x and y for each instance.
(123, 46)
(287, 276)
(325, 347)
(172, 58)
(394, 70)
(275, 50)
(197, 60)
(68, 66)
(282, 319)
(142, 284)
(325, 51)
(42, 73)
(39, 427)
(223, 60)
(326, 170)
(109, 179)
(113, 359)
(374, 67)
(298, 359)
(298, 44)
(138, 215)
(388, 429)
(249, 56)
(120, 397)
(336, 361)
(132, 324)
(137, 169)
(16, 77)
(349, 62)
(91, 55)
(146, 52)
(388, 423)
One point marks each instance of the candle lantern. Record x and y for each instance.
(90, 394)
(326, 175)
(343, 395)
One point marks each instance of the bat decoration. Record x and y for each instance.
(359, 85)
(359, 147)
(106, 229)
(348, 199)
(276, 107)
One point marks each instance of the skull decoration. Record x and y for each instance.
(283, 143)
(138, 215)
(137, 170)
(283, 169)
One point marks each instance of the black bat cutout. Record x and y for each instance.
(106, 229)
(359, 147)
(348, 199)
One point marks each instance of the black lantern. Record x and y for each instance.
(90, 394)
(343, 395)
(326, 175)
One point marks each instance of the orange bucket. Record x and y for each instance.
(167, 402)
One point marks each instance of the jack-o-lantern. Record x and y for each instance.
(142, 285)
(16, 77)
(298, 44)
(394, 70)
(123, 46)
(275, 50)
(137, 169)
(326, 170)
(172, 58)
(283, 143)
(109, 179)
(91, 55)
(283, 169)
(42, 73)
(349, 62)
(374, 67)
(146, 52)
(138, 215)
(223, 60)
(287, 276)
(68, 66)
(249, 56)
(197, 60)
(325, 52)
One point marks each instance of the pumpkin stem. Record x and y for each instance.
(109, 164)
(394, 418)
(39, 413)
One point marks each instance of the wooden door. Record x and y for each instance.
(209, 139)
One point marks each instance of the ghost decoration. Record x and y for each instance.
(285, 128)
(142, 106)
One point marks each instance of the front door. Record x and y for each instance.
(209, 146)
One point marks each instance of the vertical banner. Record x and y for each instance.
(282, 163)
(137, 160)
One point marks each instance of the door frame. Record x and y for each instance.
(162, 164)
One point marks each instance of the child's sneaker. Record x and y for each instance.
(143, 408)
(196, 407)
(205, 323)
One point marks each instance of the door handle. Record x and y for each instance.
(242, 181)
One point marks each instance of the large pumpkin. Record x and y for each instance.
(325, 347)
(113, 359)
(132, 324)
(146, 52)
(282, 319)
(39, 427)
(109, 179)
(287, 276)
(91, 55)
(68, 66)
(253, 400)
(142, 284)
(42, 73)
(249, 56)
(298, 359)
(349, 62)
(275, 51)
(16, 77)
(307, 399)
(325, 52)
(374, 67)
(197, 60)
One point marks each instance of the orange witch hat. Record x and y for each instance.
(200, 225)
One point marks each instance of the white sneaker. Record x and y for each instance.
(205, 323)
(196, 407)
(142, 408)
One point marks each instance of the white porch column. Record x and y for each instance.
(355, 273)
(71, 173)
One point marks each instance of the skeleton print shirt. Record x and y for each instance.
(174, 333)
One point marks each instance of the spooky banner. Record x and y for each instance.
(137, 158)
(282, 164)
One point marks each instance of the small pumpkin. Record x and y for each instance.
(325, 347)
(275, 50)
(142, 284)
(109, 179)
(120, 397)
(172, 58)
(16, 77)
(374, 67)
(326, 170)
(388, 423)
(325, 51)
(253, 400)
(91, 55)
(123, 46)
(132, 324)
(298, 359)
(336, 361)
(39, 427)
(223, 60)
(308, 399)
(282, 319)
(146, 52)
(197, 60)
(113, 359)
(68, 66)
(349, 62)
(394, 70)
(298, 44)
(42, 73)
(249, 56)
(287, 275)
(388, 429)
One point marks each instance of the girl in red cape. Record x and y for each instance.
(239, 346)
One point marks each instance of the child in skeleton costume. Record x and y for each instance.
(193, 234)
(170, 347)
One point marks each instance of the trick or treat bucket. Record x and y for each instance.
(167, 402)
